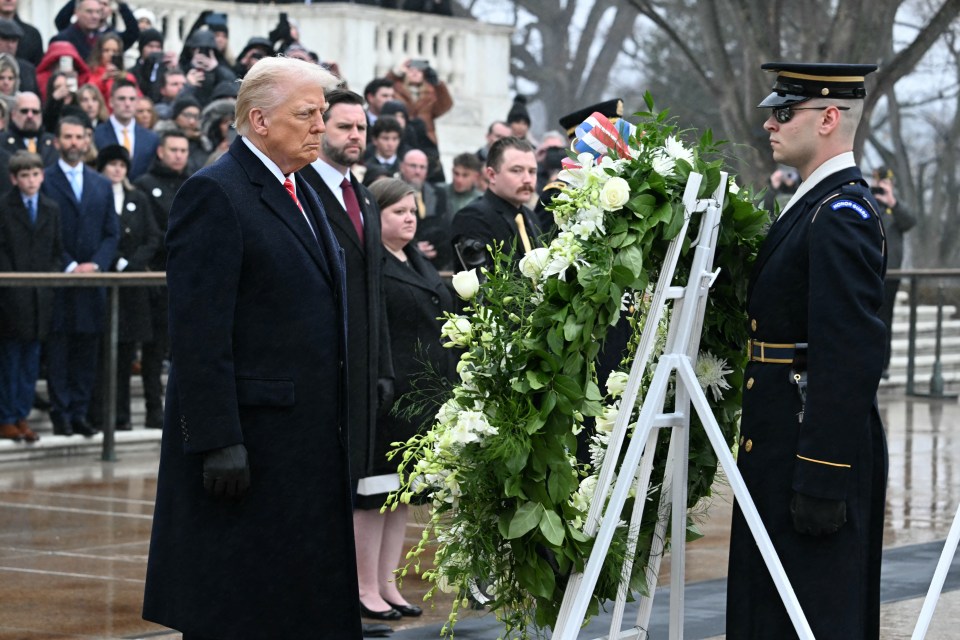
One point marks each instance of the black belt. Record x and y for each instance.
(773, 352)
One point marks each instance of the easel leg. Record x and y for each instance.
(939, 576)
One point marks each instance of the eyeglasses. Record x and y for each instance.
(783, 115)
(27, 110)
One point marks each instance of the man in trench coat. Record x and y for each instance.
(252, 533)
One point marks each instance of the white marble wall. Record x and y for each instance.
(472, 57)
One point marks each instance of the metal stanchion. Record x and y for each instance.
(109, 372)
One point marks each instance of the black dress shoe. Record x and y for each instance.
(123, 426)
(376, 631)
(83, 427)
(407, 610)
(60, 426)
(389, 614)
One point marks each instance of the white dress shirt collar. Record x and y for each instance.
(332, 177)
(267, 162)
(833, 165)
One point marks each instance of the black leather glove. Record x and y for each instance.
(430, 76)
(226, 472)
(384, 396)
(817, 516)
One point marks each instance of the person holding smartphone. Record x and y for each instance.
(201, 66)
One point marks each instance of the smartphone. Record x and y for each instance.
(420, 64)
(72, 84)
(117, 61)
(877, 190)
(66, 64)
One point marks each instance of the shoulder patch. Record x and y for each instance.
(850, 204)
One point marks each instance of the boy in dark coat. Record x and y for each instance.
(29, 241)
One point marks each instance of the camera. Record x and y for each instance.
(879, 190)
(423, 65)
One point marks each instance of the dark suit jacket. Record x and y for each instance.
(490, 219)
(12, 141)
(90, 233)
(257, 327)
(145, 144)
(818, 279)
(368, 345)
(25, 313)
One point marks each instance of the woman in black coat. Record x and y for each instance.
(415, 298)
(140, 240)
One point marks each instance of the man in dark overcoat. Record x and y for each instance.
(90, 234)
(812, 449)
(369, 362)
(500, 217)
(252, 533)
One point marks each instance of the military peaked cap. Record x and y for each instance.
(800, 81)
(612, 109)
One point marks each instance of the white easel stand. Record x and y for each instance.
(681, 349)
(939, 576)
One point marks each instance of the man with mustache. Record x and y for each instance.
(500, 216)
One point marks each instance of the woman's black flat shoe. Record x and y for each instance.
(389, 614)
(408, 610)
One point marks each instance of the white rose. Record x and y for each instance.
(466, 283)
(533, 264)
(617, 383)
(457, 331)
(615, 194)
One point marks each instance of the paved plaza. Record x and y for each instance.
(74, 534)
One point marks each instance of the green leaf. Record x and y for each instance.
(572, 329)
(536, 379)
(551, 526)
(555, 340)
(524, 520)
(632, 259)
(516, 462)
(512, 487)
(568, 387)
(549, 402)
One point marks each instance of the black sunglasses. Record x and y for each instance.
(783, 115)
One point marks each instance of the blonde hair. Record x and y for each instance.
(269, 83)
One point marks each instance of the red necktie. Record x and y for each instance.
(353, 207)
(288, 185)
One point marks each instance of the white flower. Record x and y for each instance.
(662, 163)
(476, 422)
(578, 177)
(732, 186)
(466, 283)
(606, 420)
(448, 412)
(457, 331)
(617, 383)
(533, 264)
(676, 150)
(615, 194)
(711, 372)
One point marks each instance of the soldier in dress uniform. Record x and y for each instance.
(812, 449)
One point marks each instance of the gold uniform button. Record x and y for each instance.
(750, 384)
(753, 324)
(748, 446)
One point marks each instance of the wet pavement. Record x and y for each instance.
(74, 535)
